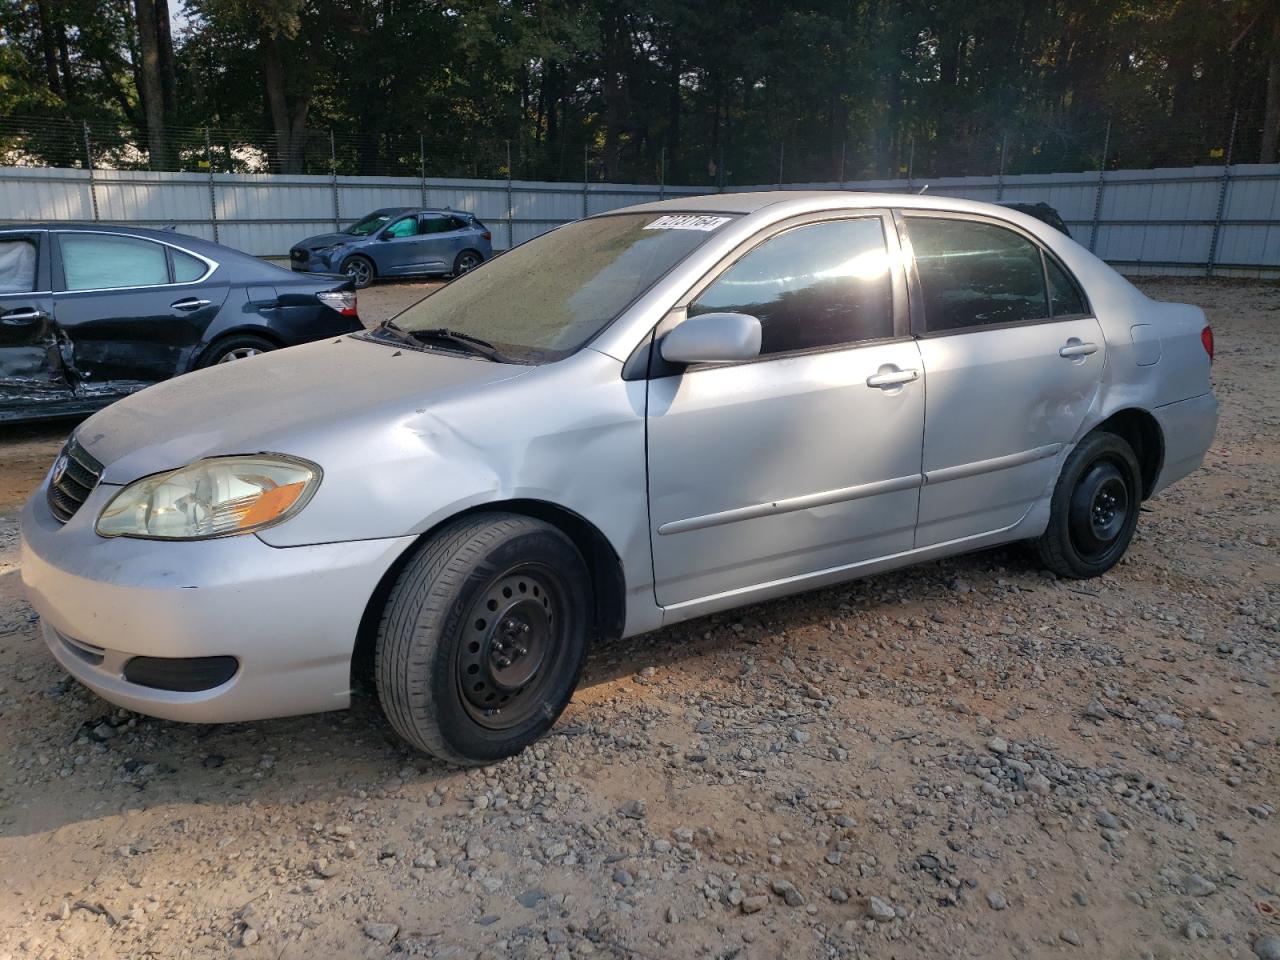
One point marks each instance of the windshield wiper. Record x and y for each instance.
(465, 341)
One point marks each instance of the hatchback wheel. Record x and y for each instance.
(360, 270)
(483, 637)
(235, 348)
(1094, 508)
(466, 261)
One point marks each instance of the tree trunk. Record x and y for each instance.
(1271, 112)
(290, 124)
(151, 89)
(164, 46)
(48, 48)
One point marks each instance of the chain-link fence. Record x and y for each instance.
(948, 149)
(1151, 196)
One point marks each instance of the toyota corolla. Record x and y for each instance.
(641, 417)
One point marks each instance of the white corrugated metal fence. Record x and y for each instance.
(1193, 220)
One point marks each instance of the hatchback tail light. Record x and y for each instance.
(344, 301)
(1206, 338)
(487, 235)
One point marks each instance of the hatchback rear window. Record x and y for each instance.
(544, 299)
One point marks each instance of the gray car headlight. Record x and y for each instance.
(217, 497)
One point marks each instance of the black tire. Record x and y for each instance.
(487, 589)
(360, 270)
(466, 261)
(1094, 508)
(235, 347)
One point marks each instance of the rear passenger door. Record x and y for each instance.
(445, 240)
(134, 308)
(1012, 357)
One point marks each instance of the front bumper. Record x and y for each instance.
(1188, 427)
(288, 616)
(309, 261)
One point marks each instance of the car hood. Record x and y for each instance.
(295, 401)
(325, 240)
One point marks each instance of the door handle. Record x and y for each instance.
(1074, 348)
(892, 377)
(23, 318)
(191, 303)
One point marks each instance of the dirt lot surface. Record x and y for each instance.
(969, 759)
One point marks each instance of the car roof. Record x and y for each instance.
(174, 237)
(785, 202)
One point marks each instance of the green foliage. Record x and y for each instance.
(739, 91)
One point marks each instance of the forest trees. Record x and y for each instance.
(740, 90)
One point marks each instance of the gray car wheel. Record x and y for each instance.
(466, 261)
(360, 270)
(483, 637)
(237, 347)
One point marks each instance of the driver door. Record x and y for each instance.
(806, 460)
(400, 248)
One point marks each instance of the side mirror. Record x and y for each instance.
(386, 235)
(713, 338)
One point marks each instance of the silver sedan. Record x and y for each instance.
(638, 418)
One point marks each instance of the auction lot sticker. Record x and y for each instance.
(687, 221)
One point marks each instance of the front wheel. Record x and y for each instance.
(1094, 508)
(360, 270)
(483, 638)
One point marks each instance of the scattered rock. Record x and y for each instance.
(880, 910)
(996, 900)
(381, 932)
(1195, 885)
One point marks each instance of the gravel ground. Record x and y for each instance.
(968, 759)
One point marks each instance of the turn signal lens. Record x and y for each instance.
(218, 497)
(1206, 337)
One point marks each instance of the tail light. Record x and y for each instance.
(1206, 338)
(487, 235)
(344, 301)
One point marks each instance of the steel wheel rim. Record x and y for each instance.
(1101, 505)
(467, 262)
(358, 271)
(239, 353)
(511, 647)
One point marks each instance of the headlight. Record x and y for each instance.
(218, 497)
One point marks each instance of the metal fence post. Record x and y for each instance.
(1097, 192)
(213, 199)
(333, 179)
(782, 149)
(911, 160)
(662, 174)
(1222, 196)
(422, 165)
(586, 175)
(843, 145)
(88, 159)
(1004, 150)
(511, 214)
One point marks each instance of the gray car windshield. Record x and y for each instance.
(544, 299)
(362, 228)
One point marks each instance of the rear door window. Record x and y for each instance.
(435, 224)
(99, 261)
(17, 265)
(814, 286)
(975, 274)
(1064, 295)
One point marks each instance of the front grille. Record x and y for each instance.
(75, 474)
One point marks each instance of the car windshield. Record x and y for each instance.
(367, 225)
(544, 299)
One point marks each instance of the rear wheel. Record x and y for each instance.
(360, 270)
(483, 638)
(237, 347)
(1094, 508)
(466, 261)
